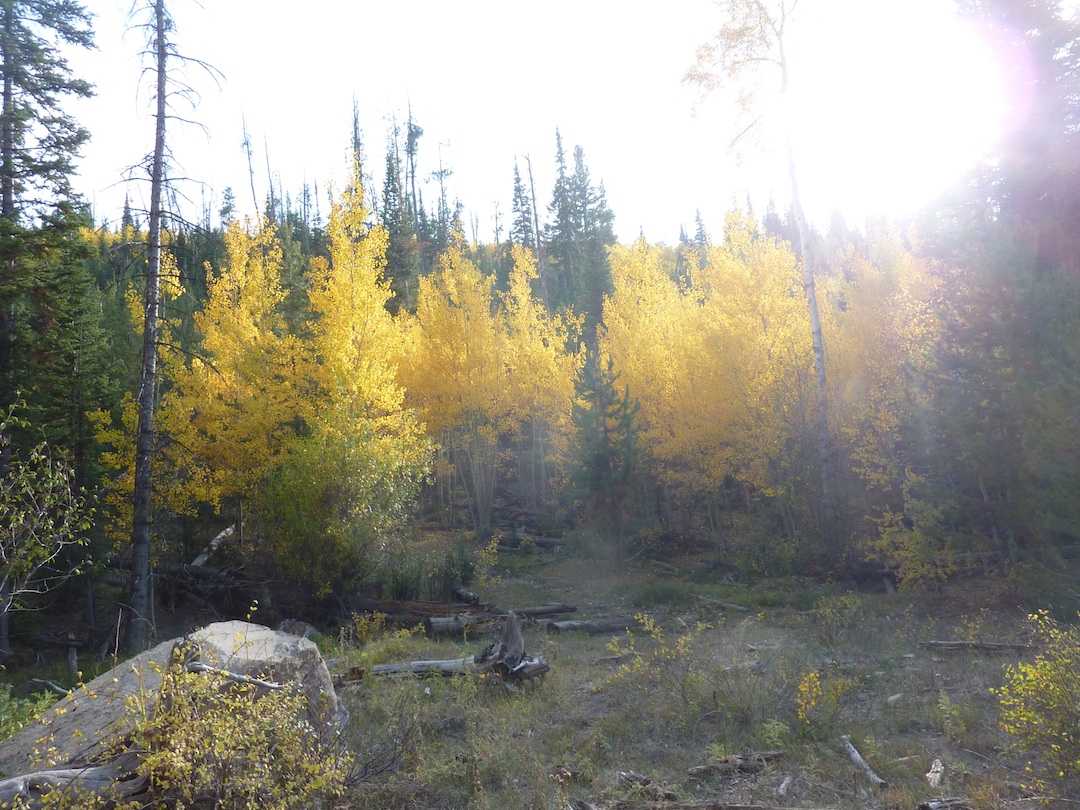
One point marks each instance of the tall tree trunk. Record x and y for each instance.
(139, 625)
(540, 270)
(824, 441)
(7, 213)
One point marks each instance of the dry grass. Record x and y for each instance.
(706, 683)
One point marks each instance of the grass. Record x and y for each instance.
(803, 667)
(694, 682)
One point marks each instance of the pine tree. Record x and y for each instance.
(402, 252)
(578, 237)
(38, 145)
(521, 229)
(605, 418)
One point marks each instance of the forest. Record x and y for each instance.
(308, 398)
(896, 398)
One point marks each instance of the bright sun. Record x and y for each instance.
(894, 105)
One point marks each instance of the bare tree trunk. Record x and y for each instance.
(824, 441)
(7, 212)
(540, 270)
(828, 488)
(139, 626)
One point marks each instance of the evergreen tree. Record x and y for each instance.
(38, 145)
(605, 419)
(521, 228)
(402, 252)
(578, 237)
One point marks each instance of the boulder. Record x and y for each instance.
(94, 717)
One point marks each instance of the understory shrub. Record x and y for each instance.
(1040, 704)
(211, 743)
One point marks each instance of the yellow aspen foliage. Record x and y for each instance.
(716, 361)
(879, 326)
(454, 375)
(354, 477)
(355, 336)
(540, 369)
(479, 374)
(235, 406)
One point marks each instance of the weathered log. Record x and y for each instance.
(212, 546)
(481, 621)
(744, 763)
(61, 641)
(863, 765)
(981, 646)
(545, 610)
(528, 668)
(591, 625)
(450, 666)
(116, 780)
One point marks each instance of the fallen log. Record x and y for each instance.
(451, 666)
(742, 763)
(590, 625)
(545, 610)
(526, 669)
(981, 646)
(862, 764)
(115, 781)
(212, 546)
(481, 621)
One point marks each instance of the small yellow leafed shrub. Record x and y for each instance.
(1040, 704)
(211, 743)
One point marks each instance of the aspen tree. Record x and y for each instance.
(747, 56)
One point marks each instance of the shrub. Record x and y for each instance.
(16, 712)
(215, 744)
(1040, 703)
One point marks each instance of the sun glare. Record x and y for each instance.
(895, 106)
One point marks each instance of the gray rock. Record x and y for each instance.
(95, 716)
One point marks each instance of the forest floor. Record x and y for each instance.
(626, 721)
(657, 716)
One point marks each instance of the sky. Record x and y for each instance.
(891, 102)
